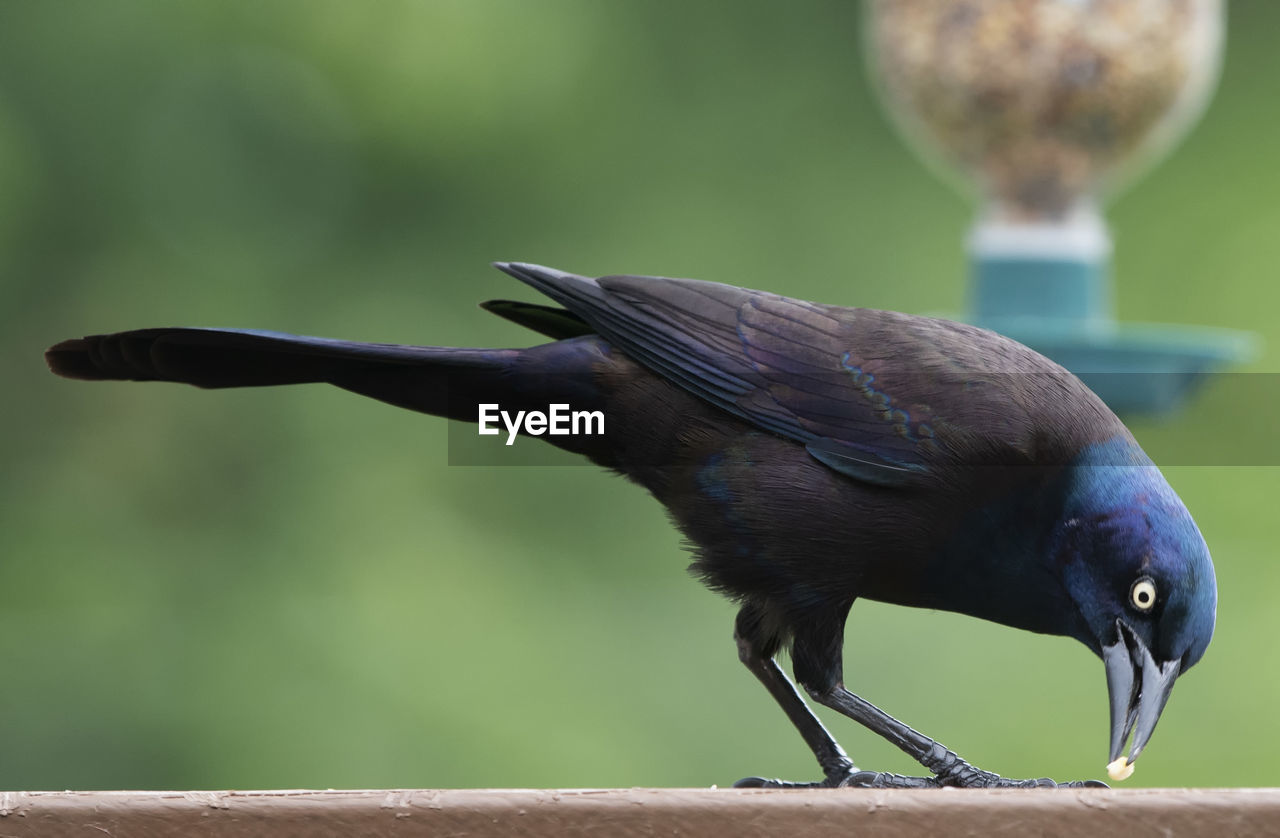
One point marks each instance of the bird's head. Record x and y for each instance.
(1139, 573)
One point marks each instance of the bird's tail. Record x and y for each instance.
(443, 381)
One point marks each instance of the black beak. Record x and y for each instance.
(1139, 688)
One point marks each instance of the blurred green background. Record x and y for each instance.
(291, 588)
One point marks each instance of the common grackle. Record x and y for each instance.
(813, 455)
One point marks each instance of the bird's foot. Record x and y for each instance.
(959, 775)
(763, 783)
(844, 776)
(837, 777)
(847, 779)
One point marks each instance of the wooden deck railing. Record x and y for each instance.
(644, 812)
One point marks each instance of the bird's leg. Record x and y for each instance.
(816, 653)
(756, 648)
(836, 765)
(757, 644)
(819, 668)
(947, 767)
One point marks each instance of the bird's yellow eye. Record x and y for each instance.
(1142, 595)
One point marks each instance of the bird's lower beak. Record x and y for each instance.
(1139, 688)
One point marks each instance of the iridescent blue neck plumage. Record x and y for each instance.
(1122, 522)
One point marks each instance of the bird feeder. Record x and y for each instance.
(1046, 107)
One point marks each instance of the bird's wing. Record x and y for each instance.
(877, 395)
(555, 323)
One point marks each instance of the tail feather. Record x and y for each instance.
(431, 379)
(439, 380)
(236, 357)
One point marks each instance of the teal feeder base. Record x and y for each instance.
(1060, 308)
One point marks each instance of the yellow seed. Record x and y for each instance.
(1121, 769)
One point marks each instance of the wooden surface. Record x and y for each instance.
(648, 812)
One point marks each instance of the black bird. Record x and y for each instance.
(813, 455)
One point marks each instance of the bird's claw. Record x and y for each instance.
(841, 776)
(850, 779)
(961, 775)
(764, 783)
(836, 778)
(847, 777)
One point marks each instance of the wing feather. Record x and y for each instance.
(878, 395)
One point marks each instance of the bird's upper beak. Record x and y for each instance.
(1139, 688)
